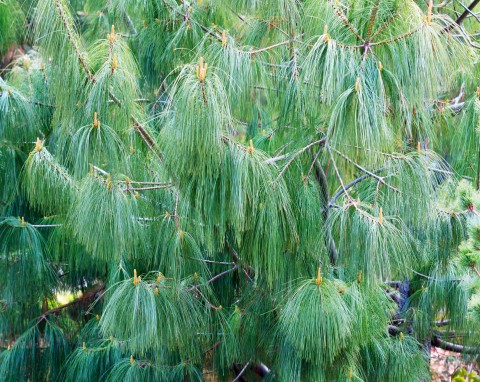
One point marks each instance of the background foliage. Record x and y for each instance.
(240, 189)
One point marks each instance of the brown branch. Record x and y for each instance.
(400, 37)
(322, 181)
(345, 21)
(91, 294)
(384, 25)
(450, 346)
(220, 275)
(373, 17)
(463, 16)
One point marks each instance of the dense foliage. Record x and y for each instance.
(237, 189)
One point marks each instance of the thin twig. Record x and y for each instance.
(380, 179)
(384, 26)
(345, 21)
(213, 262)
(46, 225)
(320, 142)
(347, 186)
(168, 185)
(399, 37)
(276, 159)
(147, 183)
(241, 372)
(260, 50)
(462, 17)
(337, 172)
(323, 185)
(220, 275)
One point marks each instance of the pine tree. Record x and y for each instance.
(238, 189)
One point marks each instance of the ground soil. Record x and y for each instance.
(443, 364)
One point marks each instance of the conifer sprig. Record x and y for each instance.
(227, 188)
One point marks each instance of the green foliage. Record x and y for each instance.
(381, 249)
(11, 22)
(24, 260)
(33, 351)
(398, 359)
(47, 184)
(16, 114)
(139, 370)
(93, 357)
(103, 218)
(316, 316)
(221, 152)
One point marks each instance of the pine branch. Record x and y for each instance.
(462, 17)
(159, 187)
(239, 375)
(147, 183)
(130, 25)
(385, 25)
(213, 262)
(277, 158)
(46, 225)
(220, 275)
(215, 278)
(350, 185)
(373, 17)
(90, 295)
(337, 172)
(260, 50)
(71, 38)
(347, 187)
(442, 323)
(345, 21)
(361, 168)
(187, 17)
(139, 128)
(394, 296)
(320, 142)
(393, 330)
(228, 194)
(58, 169)
(450, 346)
(323, 185)
(397, 38)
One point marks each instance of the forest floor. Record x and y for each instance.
(444, 363)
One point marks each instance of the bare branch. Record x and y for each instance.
(450, 346)
(239, 375)
(320, 142)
